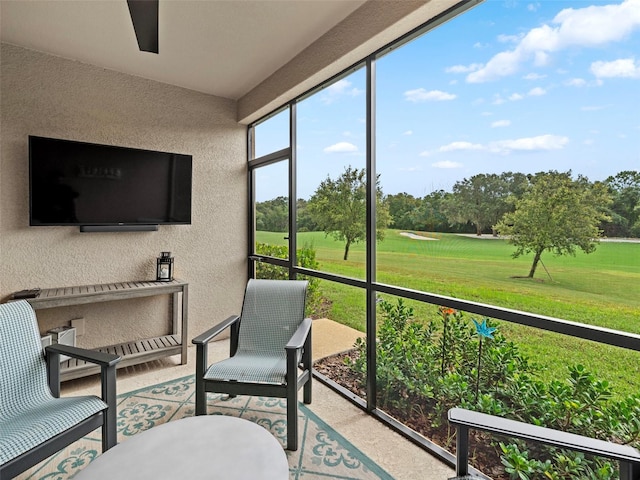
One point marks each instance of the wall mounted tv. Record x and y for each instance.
(106, 188)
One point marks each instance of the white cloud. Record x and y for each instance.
(591, 26)
(514, 97)
(454, 146)
(339, 89)
(408, 132)
(534, 76)
(529, 144)
(541, 59)
(501, 123)
(597, 25)
(537, 92)
(508, 38)
(501, 65)
(342, 87)
(624, 67)
(533, 7)
(463, 68)
(422, 95)
(341, 147)
(502, 147)
(498, 100)
(576, 82)
(447, 164)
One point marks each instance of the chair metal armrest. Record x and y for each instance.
(298, 339)
(202, 352)
(298, 351)
(107, 363)
(91, 356)
(215, 330)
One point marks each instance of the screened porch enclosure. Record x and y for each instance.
(443, 306)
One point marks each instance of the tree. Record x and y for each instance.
(304, 221)
(429, 215)
(625, 210)
(273, 215)
(339, 208)
(402, 207)
(482, 199)
(556, 214)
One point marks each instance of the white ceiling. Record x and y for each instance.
(220, 47)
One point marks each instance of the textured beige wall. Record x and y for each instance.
(54, 97)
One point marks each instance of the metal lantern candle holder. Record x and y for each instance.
(164, 271)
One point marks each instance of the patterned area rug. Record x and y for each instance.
(322, 453)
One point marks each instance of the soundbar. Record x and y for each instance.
(118, 228)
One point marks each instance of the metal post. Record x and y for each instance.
(629, 471)
(293, 192)
(462, 451)
(371, 238)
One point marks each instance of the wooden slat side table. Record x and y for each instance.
(137, 350)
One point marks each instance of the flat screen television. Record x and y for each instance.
(91, 185)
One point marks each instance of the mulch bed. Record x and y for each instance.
(483, 456)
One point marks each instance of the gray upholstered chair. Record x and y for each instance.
(36, 423)
(270, 350)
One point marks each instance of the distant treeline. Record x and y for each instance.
(475, 205)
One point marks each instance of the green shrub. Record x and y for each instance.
(433, 365)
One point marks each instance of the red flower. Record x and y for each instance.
(447, 311)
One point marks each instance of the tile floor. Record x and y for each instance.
(400, 458)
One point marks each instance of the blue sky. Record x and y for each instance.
(510, 85)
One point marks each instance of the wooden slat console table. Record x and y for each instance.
(135, 351)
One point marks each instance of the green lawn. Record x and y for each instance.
(602, 288)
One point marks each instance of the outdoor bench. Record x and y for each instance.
(627, 456)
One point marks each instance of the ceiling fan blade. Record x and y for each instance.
(144, 16)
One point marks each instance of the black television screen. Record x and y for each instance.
(77, 183)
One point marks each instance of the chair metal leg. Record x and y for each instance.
(109, 427)
(306, 393)
(201, 366)
(292, 400)
(292, 416)
(201, 397)
(307, 365)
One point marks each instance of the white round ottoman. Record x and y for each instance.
(201, 447)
